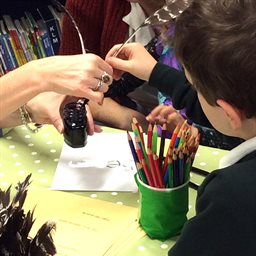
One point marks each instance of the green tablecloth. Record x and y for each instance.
(22, 152)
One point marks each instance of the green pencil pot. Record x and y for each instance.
(162, 212)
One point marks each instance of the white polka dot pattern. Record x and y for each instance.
(23, 153)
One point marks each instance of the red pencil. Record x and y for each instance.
(139, 152)
(147, 173)
(152, 168)
(149, 136)
(158, 172)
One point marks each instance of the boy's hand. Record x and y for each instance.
(132, 58)
(165, 114)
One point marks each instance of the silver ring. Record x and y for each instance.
(105, 78)
(98, 86)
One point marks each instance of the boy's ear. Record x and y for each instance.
(234, 115)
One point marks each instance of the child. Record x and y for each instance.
(103, 24)
(215, 41)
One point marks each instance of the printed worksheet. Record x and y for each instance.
(84, 226)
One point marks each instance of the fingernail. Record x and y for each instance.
(101, 102)
(60, 129)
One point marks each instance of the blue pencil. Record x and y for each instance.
(134, 154)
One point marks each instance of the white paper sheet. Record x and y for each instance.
(104, 164)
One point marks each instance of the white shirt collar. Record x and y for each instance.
(238, 153)
(134, 19)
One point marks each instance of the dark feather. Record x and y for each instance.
(170, 11)
(15, 226)
(43, 244)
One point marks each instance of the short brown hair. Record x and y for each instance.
(215, 40)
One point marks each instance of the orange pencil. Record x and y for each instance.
(174, 136)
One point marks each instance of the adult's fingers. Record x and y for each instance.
(58, 124)
(90, 122)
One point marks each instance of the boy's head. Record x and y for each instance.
(215, 40)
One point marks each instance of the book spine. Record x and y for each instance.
(52, 28)
(11, 52)
(5, 54)
(15, 40)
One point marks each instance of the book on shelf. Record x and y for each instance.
(25, 41)
(15, 40)
(8, 49)
(4, 54)
(52, 25)
(37, 40)
(43, 33)
(35, 34)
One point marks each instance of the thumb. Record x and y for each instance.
(118, 64)
(58, 124)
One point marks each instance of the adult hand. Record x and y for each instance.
(76, 75)
(132, 58)
(46, 108)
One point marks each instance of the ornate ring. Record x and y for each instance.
(105, 78)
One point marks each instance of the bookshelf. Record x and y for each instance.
(16, 8)
(29, 30)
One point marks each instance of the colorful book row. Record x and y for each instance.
(32, 36)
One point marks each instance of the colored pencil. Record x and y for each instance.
(140, 131)
(154, 139)
(133, 150)
(152, 168)
(139, 152)
(162, 143)
(141, 173)
(166, 158)
(174, 136)
(187, 169)
(140, 145)
(148, 173)
(179, 135)
(176, 179)
(170, 173)
(158, 172)
(181, 167)
(149, 136)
